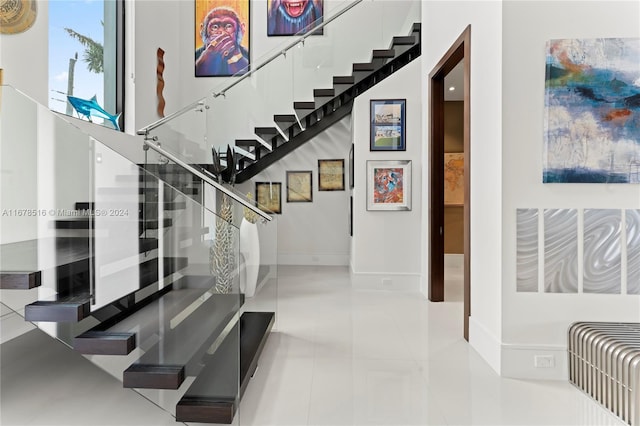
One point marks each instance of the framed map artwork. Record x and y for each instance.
(454, 179)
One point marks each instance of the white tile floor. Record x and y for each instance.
(340, 356)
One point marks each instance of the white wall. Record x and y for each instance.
(315, 233)
(25, 57)
(442, 24)
(536, 323)
(386, 244)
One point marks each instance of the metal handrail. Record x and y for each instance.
(207, 179)
(283, 51)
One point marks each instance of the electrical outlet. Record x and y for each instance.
(544, 361)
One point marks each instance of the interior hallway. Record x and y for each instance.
(340, 356)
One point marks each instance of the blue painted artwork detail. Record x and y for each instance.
(592, 111)
(90, 108)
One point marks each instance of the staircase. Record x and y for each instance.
(167, 323)
(328, 107)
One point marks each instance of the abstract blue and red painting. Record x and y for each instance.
(592, 111)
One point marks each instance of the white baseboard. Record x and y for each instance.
(519, 362)
(486, 344)
(313, 259)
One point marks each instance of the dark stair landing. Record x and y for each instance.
(211, 398)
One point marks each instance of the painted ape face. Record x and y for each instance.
(221, 25)
(295, 7)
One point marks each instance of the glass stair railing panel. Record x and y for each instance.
(147, 302)
(185, 133)
(45, 266)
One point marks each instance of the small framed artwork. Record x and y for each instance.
(268, 196)
(389, 185)
(331, 175)
(388, 125)
(299, 187)
(454, 179)
(351, 166)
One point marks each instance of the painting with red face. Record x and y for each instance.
(222, 38)
(290, 17)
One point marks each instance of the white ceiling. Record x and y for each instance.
(454, 79)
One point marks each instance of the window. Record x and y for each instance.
(86, 51)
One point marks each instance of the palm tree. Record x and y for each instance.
(93, 54)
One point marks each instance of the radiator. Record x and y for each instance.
(604, 362)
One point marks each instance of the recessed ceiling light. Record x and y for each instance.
(452, 88)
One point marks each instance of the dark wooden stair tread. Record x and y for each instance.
(265, 131)
(89, 223)
(20, 280)
(166, 205)
(364, 67)
(105, 343)
(188, 340)
(324, 93)
(406, 40)
(348, 79)
(211, 398)
(70, 256)
(304, 105)
(286, 118)
(384, 53)
(65, 309)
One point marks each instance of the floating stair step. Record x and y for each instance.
(187, 341)
(68, 261)
(269, 135)
(167, 205)
(20, 280)
(362, 70)
(403, 40)
(144, 313)
(66, 309)
(364, 67)
(153, 376)
(323, 96)
(89, 223)
(383, 53)
(304, 109)
(212, 396)
(303, 106)
(247, 144)
(322, 93)
(285, 118)
(343, 83)
(136, 178)
(105, 343)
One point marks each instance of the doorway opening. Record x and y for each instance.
(458, 53)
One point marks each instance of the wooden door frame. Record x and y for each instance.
(460, 50)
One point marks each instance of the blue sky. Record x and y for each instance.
(83, 16)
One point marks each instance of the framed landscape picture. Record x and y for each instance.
(268, 196)
(389, 185)
(388, 125)
(331, 175)
(299, 187)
